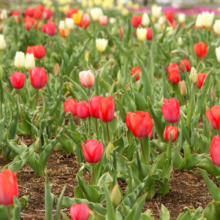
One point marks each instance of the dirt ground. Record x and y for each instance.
(186, 189)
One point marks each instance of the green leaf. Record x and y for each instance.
(212, 211)
(164, 214)
(49, 199)
(59, 203)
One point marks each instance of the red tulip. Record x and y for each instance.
(136, 70)
(169, 16)
(214, 117)
(174, 77)
(215, 150)
(29, 12)
(136, 21)
(30, 22)
(83, 23)
(79, 212)
(8, 187)
(127, 119)
(173, 67)
(38, 77)
(92, 151)
(50, 28)
(82, 110)
(71, 11)
(94, 106)
(38, 14)
(40, 7)
(171, 110)
(200, 49)
(170, 130)
(121, 32)
(44, 28)
(106, 109)
(17, 80)
(201, 79)
(140, 123)
(70, 106)
(15, 13)
(149, 33)
(39, 51)
(30, 50)
(47, 14)
(186, 63)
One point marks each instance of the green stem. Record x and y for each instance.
(84, 121)
(108, 132)
(96, 126)
(19, 97)
(93, 174)
(9, 213)
(90, 127)
(142, 148)
(36, 99)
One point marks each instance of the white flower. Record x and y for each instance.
(101, 44)
(141, 34)
(2, 42)
(181, 18)
(96, 13)
(61, 24)
(161, 20)
(19, 60)
(29, 61)
(217, 27)
(199, 22)
(4, 14)
(217, 51)
(112, 20)
(145, 20)
(69, 22)
(180, 41)
(207, 19)
(169, 31)
(193, 75)
(156, 11)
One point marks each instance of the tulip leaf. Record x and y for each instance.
(164, 214)
(16, 209)
(59, 203)
(213, 189)
(212, 211)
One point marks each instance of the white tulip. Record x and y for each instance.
(112, 20)
(2, 42)
(161, 20)
(4, 14)
(29, 61)
(156, 11)
(61, 24)
(96, 13)
(217, 27)
(141, 34)
(169, 31)
(19, 60)
(193, 75)
(199, 22)
(101, 44)
(180, 41)
(69, 22)
(145, 20)
(217, 51)
(181, 18)
(207, 19)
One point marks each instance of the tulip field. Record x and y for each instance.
(109, 111)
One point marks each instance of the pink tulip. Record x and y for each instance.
(215, 150)
(103, 20)
(87, 78)
(79, 212)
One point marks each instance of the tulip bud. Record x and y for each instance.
(29, 61)
(4, 14)
(193, 75)
(101, 44)
(183, 89)
(145, 20)
(180, 41)
(103, 20)
(112, 20)
(19, 60)
(17, 80)
(169, 31)
(181, 18)
(61, 24)
(69, 22)
(217, 51)
(2, 42)
(170, 130)
(87, 78)
(109, 149)
(57, 69)
(216, 27)
(141, 34)
(116, 195)
(87, 56)
(79, 212)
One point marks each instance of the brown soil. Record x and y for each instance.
(186, 189)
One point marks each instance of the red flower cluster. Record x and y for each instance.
(38, 51)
